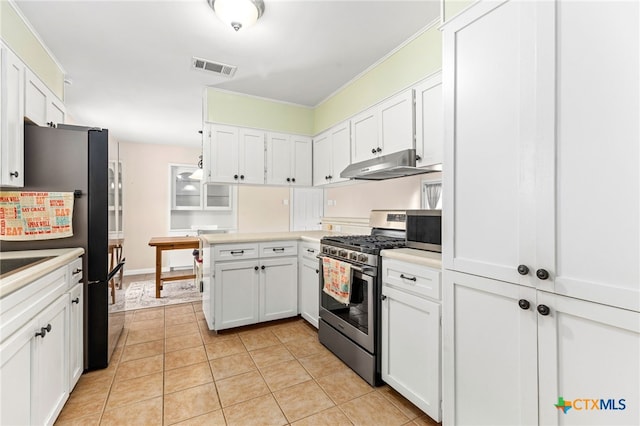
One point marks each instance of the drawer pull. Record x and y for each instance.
(77, 271)
(76, 300)
(278, 249)
(237, 252)
(311, 251)
(403, 276)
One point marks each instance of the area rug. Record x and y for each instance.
(142, 294)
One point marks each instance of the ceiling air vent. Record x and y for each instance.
(214, 67)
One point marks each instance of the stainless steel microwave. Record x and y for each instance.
(424, 229)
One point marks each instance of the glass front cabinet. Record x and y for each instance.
(188, 192)
(115, 199)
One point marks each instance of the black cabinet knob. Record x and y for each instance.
(76, 300)
(255, 268)
(262, 267)
(418, 158)
(523, 269)
(293, 179)
(235, 176)
(288, 179)
(14, 174)
(543, 310)
(330, 177)
(542, 274)
(317, 271)
(383, 297)
(524, 304)
(44, 330)
(242, 177)
(378, 149)
(373, 150)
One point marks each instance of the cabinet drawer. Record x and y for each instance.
(279, 248)
(416, 279)
(309, 251)
(235, 251)
(75, 272)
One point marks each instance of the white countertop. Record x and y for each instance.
(312, 236)
(19, 278)
(420, 257)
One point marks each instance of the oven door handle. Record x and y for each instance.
(354, 267)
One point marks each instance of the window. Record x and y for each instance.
(432, 194)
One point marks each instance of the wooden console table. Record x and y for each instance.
(171, 243)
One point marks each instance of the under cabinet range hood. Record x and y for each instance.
(398, 164)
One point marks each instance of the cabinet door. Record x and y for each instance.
(364, 128)
(340, 151)
(429, 121)
(55, 111)
(588, 350)
(499, 131)
(598, 124)
(411, 348)
(35, 102)
(251, 155)
(185, 190)
(489, 350)
(16, 377)
(309, 291)
(278, 288)
(301, 161)
(396, 123)
(11, 120)
(76, 360)
(237, 285)
(279, 156)
(322, 159)
(51, 362)
(221, 153)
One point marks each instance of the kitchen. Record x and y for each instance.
(351, 201)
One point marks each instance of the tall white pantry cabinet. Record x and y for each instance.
(541, 237)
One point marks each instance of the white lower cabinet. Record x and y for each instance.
(236, 293)
(49, 364)
(411, 338)
(532, 347)
(260, 285)
(41, 347)
(309, 283)
(76, 361)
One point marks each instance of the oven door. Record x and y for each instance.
(356, 319)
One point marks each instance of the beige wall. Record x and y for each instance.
(357, 200)
(17, 35)
(146, 196)
(453, 7)
(261, 209)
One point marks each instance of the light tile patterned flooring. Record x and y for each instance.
(168, 368)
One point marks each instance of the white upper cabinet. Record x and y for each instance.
(288, 159)
(429, 121)
(500, 139)
(527, 141)
(384, 128)
(41, 106)
(331, 154)
(233, 154)
(11, 119)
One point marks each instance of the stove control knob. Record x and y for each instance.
(353, 256)
(363, 258)
(325, 249)
(333, 251)
(342, 253)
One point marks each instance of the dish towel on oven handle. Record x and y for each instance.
(337, 279)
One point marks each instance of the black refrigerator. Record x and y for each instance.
(75, 159)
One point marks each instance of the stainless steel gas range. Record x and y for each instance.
(352, 330)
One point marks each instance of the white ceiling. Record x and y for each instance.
(130, 61)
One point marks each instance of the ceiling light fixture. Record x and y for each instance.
(238, 13)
